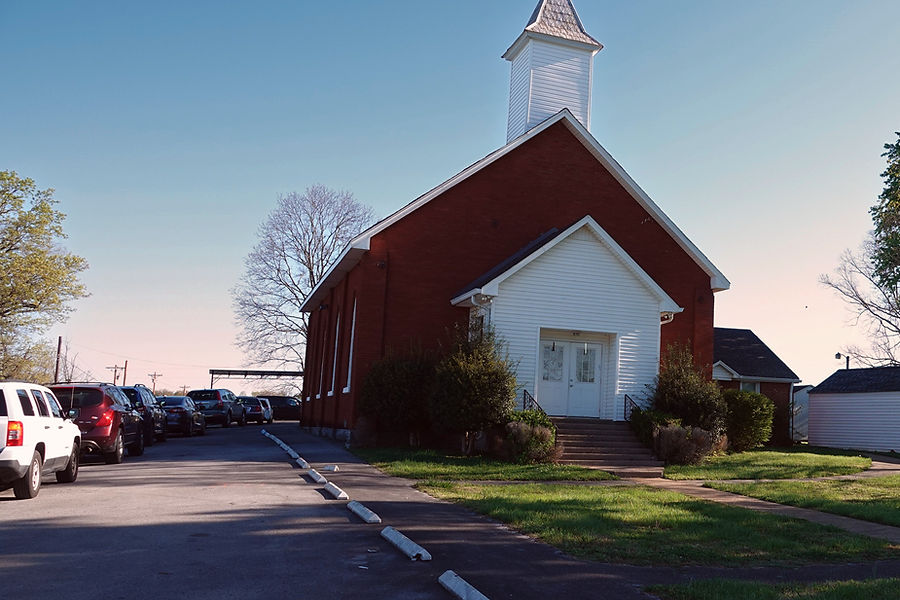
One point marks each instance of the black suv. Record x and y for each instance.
(153, 414)
(219, 406)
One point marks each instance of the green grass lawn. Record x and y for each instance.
(783, 463)
(716, 589)
(433, 465)
(642, 525)
(876, 499)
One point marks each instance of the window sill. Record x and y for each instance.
(346, 390)
(331, 394)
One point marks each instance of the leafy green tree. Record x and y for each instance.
(886, 218)
(38, 278)
(749, 419)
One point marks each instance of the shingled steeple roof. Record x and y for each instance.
(559, 19)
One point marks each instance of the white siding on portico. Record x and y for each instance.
(581, 284)
(864, 421)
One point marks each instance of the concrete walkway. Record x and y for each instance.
(879, 468)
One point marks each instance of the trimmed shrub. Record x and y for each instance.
(526, 443)
(748, 419)
(395, 392)
(533, 417)
(646, 423)
(682, 390)
(475, 388)
(684, 445)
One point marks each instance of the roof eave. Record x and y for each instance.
(517, 45)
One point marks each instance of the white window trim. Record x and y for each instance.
(334, 360)
(350, 357)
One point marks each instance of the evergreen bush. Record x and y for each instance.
(475, 388)
(748, 419)
(681, 389)
(395, 392)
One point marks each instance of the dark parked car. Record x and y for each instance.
(108, 421)
(183, 416)
(258, 409)
(152, 413)
(219, 406)
(285, 407)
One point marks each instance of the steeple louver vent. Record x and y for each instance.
(551, 68)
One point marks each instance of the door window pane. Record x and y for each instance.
(585, 360)
(552, 362)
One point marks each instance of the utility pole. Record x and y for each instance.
(58, 352)
(125, 372)
(184, 390)
(115, 370)
(153, 377)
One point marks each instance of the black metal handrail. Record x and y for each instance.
(528, 402)
(630, 405)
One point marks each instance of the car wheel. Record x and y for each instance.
(163, 435)
(29, 484)
(117, 454)
(137, 448)
(270, 421)
(202, 429)
(243, 420)
(149, 438)
(70, 473)
(227, 422)
(189, 430)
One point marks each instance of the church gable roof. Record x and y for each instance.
(489, 283)
(361, 243)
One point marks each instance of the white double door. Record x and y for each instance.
(569, 378)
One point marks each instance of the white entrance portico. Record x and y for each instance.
(579, 317)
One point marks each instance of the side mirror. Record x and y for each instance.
(72, 414)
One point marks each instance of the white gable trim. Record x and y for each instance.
(358, 245)
(492, 288)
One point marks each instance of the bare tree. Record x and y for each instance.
(876, 305)
(297, 243)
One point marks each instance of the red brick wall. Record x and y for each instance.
(415, 266)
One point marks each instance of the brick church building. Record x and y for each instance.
(547, 238)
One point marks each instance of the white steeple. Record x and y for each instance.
(551, 68)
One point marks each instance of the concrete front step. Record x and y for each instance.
(608, 445)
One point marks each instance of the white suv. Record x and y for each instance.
(35, 438)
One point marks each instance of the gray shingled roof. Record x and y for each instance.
(747, 355)
(559, 19)
(856, 381)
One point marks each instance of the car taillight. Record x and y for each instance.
(177, 409)
(220, 404)
(15, 434)
(106, 418)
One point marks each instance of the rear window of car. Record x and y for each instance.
(172, 401)
(3, 412)
(25, 401)
(203, 395)
(77, 397)
(250, 401)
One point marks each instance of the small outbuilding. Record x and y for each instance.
(857, 408)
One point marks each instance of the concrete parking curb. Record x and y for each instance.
(405, 545)
(459, 587)
(331, 468)
(336, 491)
(302, 463)
(362, 512)
(316, 476)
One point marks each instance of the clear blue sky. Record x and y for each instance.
(169, 128)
